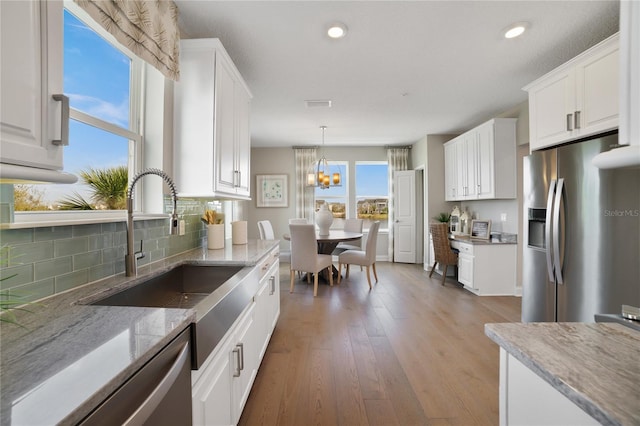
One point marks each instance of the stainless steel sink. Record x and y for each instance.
(183, 287)
(218, 294)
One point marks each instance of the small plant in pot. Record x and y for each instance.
(443, 217)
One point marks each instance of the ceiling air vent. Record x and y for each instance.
(318, 103)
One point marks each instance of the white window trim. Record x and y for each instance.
(362, 197)
(136, 111)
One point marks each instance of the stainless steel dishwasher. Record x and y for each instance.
(157, 394)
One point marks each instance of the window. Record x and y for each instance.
(337, 197)
(103, 83)
(372, 192)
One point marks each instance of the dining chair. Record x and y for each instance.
(443, 253)
(304, 254)
(298, 221)
(266, 230)
(350, 225)
(366, 257)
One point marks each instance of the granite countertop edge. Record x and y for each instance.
(582, 400)
(68, 311)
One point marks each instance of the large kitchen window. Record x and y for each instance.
(372, 192)
(103, 82)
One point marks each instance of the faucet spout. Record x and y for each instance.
(131, 257)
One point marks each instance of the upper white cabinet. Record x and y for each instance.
(211, 124)
(31, 120)
(578, 99)
(481, 163)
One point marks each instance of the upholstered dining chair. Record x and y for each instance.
(443, 253)
(350, 225)
(304, 254)
(266, 230)
(298, 221)
(366, 257)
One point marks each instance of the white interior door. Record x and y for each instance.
(404, 226)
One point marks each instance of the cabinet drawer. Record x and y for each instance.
(465, 248)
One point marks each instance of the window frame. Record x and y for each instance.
(135, 133)
(384, 225)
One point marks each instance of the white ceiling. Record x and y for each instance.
(405, 69)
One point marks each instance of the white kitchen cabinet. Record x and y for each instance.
(244, 361)
(211, 124)
(487, 269)
(577, 99)
(450, 166)
(31, 120)
(527, 399)
(268, 299)
(481, 163)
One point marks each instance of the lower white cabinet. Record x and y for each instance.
(220, 388)
(487, 269)
(527, 399)
(268, 300)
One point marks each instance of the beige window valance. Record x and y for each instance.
(149, 28)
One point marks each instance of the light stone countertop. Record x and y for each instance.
(595, 365)
(69, 357)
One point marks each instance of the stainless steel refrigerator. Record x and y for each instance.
(581, 234)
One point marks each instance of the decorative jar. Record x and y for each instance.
(324, 219)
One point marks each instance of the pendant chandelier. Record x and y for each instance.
(323, 175)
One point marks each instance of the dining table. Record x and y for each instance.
(328, 243)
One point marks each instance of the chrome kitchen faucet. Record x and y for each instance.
(130, 259)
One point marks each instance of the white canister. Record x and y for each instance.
(239, 232)
(215, 236)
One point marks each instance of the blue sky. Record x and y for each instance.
(96, 79)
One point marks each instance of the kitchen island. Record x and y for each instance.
(67, 356)
(568, 373)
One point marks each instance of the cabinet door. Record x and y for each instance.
(461, 168)
(597, 92)
(244, 363)
(212, 392)
(450, 172)
(470, 164)
(31, 42)
(549, 103)
(242, 141)
(465, 269)
(263, 315)
(485, 161)
(225, 127)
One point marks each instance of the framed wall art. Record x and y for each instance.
(272, 191)
(481, 229)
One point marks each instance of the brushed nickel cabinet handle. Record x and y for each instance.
(569, 122)
(236, 351)
(272, 281)
(64, 120)
(576, 121)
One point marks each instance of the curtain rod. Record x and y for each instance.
(305, 147)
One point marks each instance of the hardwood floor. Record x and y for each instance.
(408, 352)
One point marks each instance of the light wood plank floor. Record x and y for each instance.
(408, 352)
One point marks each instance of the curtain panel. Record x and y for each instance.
(304, 160)
(149, 28)
(398, 159)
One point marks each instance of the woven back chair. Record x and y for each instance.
(444, 255)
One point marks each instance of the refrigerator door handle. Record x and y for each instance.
(556, 231)
(552, 189)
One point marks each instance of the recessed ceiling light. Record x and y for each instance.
(515, 30)
(337, 30)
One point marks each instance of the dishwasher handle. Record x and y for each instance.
(155, 397)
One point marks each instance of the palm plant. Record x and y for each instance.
(108, 187)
